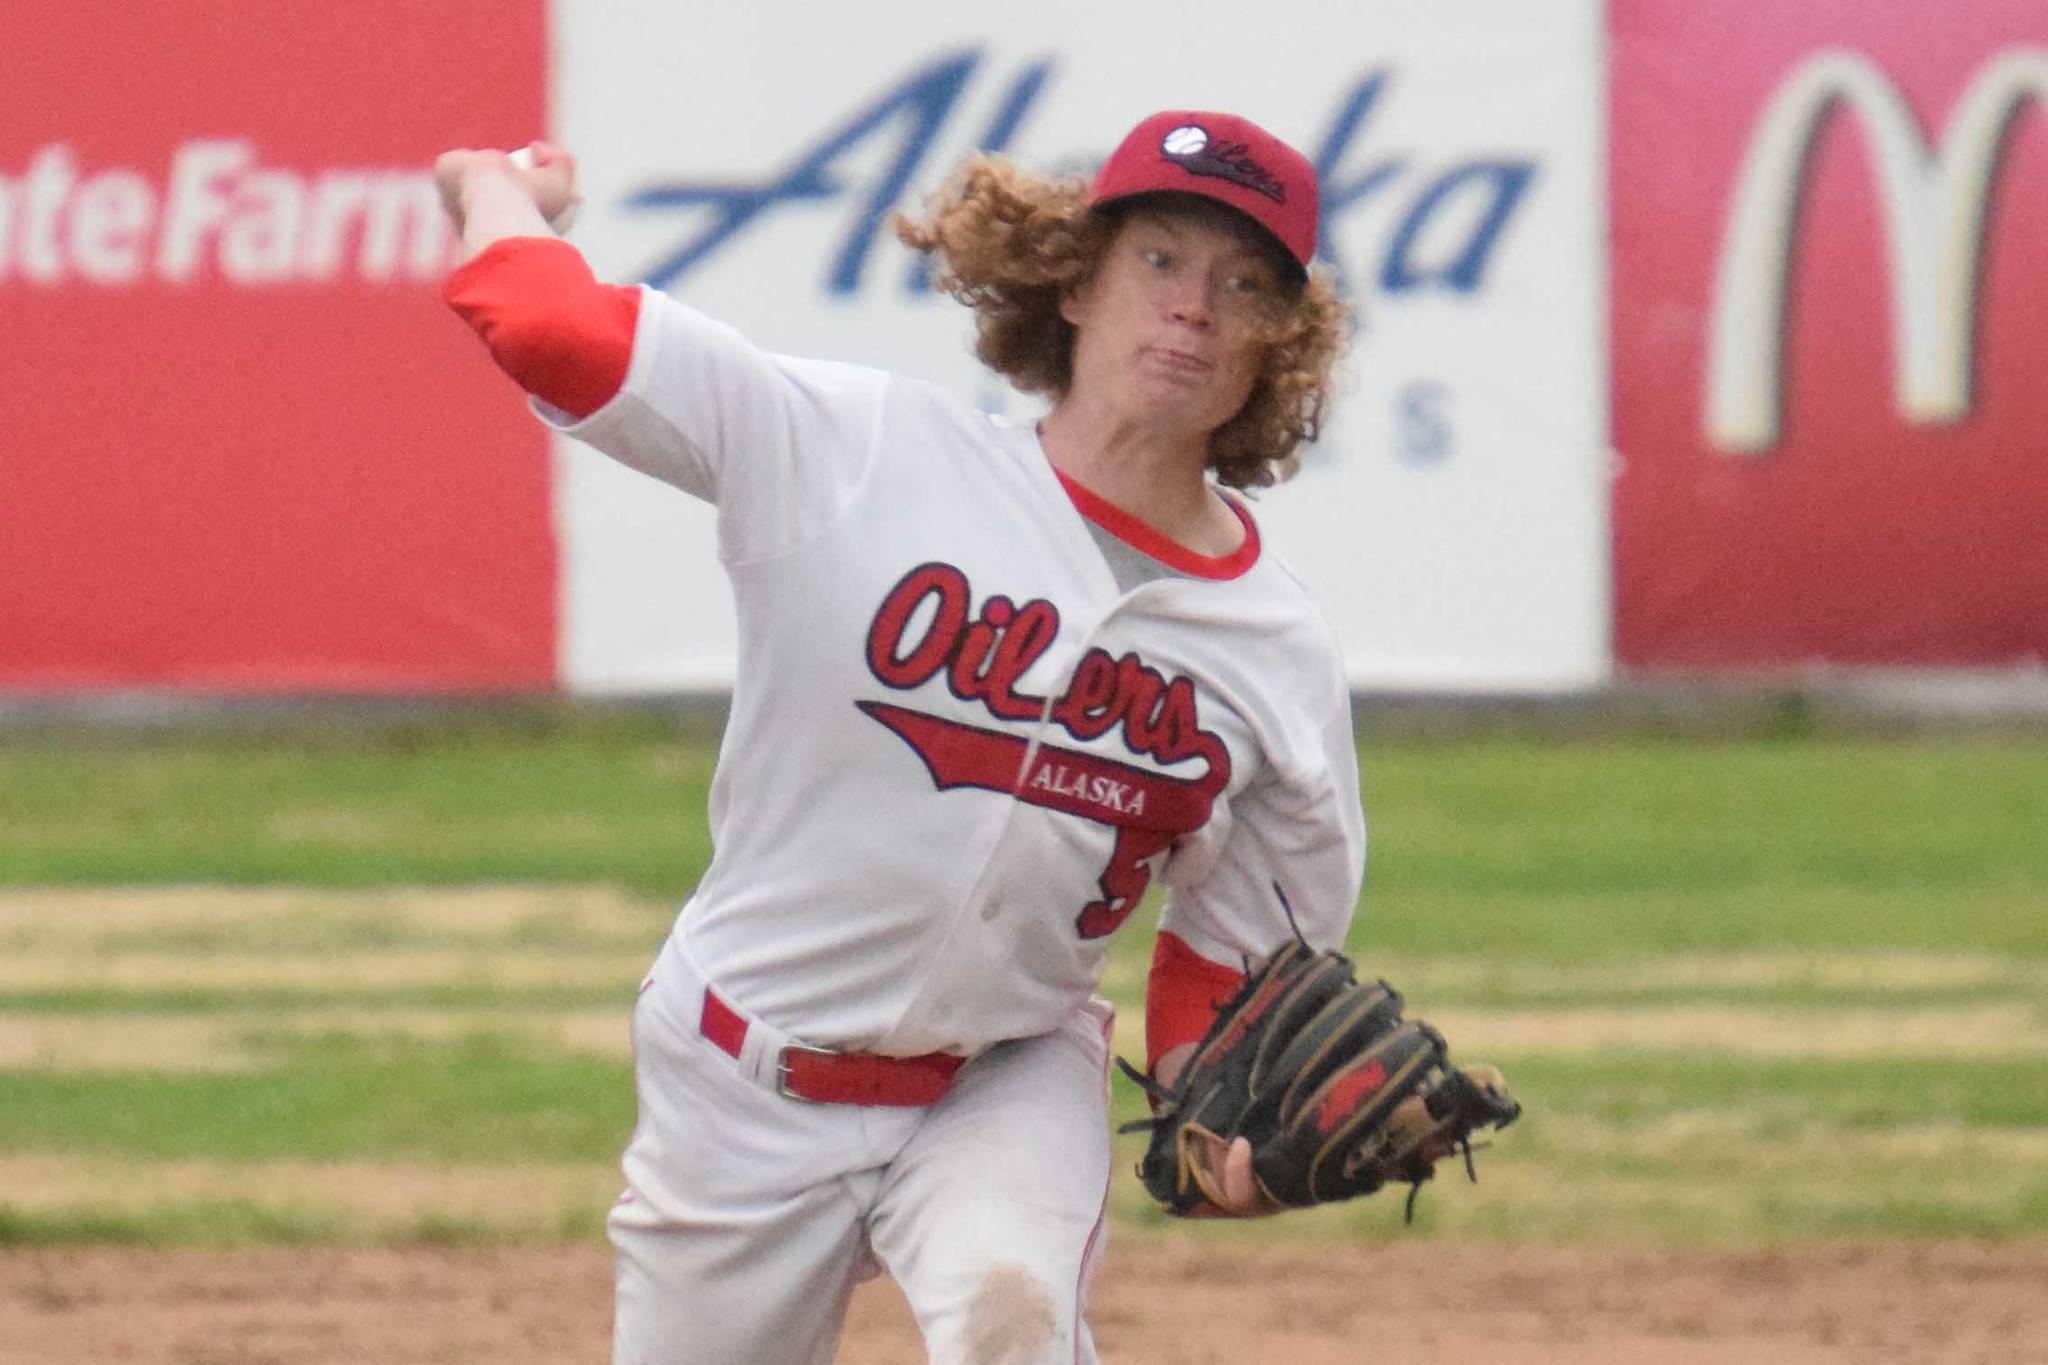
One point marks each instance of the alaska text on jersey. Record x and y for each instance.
(983, 658)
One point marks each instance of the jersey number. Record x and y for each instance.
(1123, 882)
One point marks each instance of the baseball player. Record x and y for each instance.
(994, 682)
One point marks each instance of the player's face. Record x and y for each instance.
(1168, 329)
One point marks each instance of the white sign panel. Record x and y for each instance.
(1453, 519)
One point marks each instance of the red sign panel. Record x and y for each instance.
(1829, 282)
(247, 448)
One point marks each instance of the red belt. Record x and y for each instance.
(811, 1073)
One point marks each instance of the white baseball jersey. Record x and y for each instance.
(973, 721)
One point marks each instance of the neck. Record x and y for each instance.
(1157, 476)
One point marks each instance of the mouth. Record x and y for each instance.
(1178, 361)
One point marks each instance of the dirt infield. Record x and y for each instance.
(1414, 1303)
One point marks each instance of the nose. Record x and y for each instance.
(1188, 303)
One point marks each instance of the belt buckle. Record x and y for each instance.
(782, 1070)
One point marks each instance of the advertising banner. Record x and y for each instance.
(1452, 522)
(1829, 279)
(247, 448)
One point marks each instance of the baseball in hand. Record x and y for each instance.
(557, 202)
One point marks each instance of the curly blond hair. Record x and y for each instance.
(1011, 245)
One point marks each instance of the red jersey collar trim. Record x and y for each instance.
(1150, 540)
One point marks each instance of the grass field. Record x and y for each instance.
(369, 984)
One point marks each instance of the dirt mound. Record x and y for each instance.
(1221, 1302)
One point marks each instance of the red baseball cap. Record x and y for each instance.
(1221, 157)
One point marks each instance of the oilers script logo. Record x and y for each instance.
(983, 659)
(1189, 147)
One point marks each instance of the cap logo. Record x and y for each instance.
(1188, 147)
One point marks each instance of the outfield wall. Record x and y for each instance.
(1830, 280)
(1777, 252)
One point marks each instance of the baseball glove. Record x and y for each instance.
(1335, 1091)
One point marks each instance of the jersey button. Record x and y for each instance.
(991, 909)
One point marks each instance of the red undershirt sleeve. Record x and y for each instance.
(563, 336)
(1181, 995)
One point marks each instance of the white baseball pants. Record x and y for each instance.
(749, 1217)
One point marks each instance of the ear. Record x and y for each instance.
(1078, 301)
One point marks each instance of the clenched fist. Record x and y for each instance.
(545, 173)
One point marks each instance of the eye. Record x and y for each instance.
(1246, 285)
(1157, 258)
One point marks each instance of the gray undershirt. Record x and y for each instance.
(1128, 566)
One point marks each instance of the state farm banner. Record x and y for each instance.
(1452, 522)
(246, 447)
(1830, 273)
